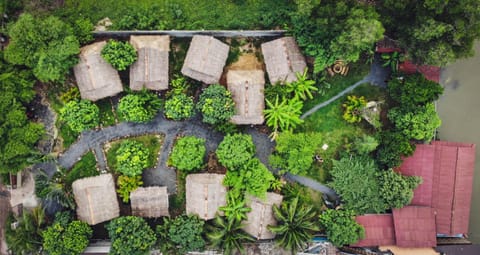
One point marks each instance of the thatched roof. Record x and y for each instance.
(150, 202)
(151, 68)
(261, 215)
(96, 79)
(283, 60)
(247, 92)
(205, 59)
(96, 199)
(205, 194)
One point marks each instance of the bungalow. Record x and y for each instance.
(205, 193)
(247, 88)
(283, 60)
(149, 202)
(261, 215)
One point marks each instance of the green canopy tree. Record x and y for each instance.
(397, 189)
(419, 124)
(181, 235)
(46, 45)
(179, 107)
(27, 237)
(235, 150)
(216, 105)
(253, 177)
(119, 54)
(80, 115)
(132, 158)
(139, 107)
(130, 235)
(341, 227)
(414, 90)
(283, 115)
(188, 153)
(69, 239)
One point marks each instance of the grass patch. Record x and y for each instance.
(68, 135)
(85, 167)
(152, 142)
(178, 200)
(106, 114)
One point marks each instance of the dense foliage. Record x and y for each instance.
(80, 115)
(413, 90)
(353, 108)
(396, 189)
(341, 227)
(139, 107)
(83, 29)
(46, 45)
(235, 150)
(119, 54)
(227, 234)
(296, 224)
(236, 208)
(180, 235)
(302, 88)
(188, 153)
(132, 158)
(419, 124)
(179, 107)
(365, 144)
(432, 32)
(393, 146)
(283, 115)
(216, 105)
(54, 191)
(130, 235)
(66, 239)
(127, 184)
(26, 238)
(253, 177)
(294, 153)
(18, 135)
(355, 180)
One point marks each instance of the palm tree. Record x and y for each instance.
(284, 115)
(302, 88)
(26, 238)
(54, 189)
(227, 234)
(393, 60)
(296, 224)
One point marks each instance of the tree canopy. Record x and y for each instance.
(413, 90)
(216, 105)
(235, 150)
(397, 189)
(80, 115)
(46, 45)
(341, 227)
(179, 107)
(130, 235)
(252, 177)
(132, 158)
(182, 234)
(419, 124)
(119, 54)
(188, 153)
(66, 239)
(139, 107)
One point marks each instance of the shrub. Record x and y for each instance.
(393, 146)
(414, 90)
(188, 153)
(353, 107)
(71, 239)
(179, 107)
(127, 184)
(216, 105)
(80, 115)
(139, 107)
(365, 144)
(341, 227)
(419, 124)
(178, 86)
(283, 115)
(397, 189)
(83, 29)
(130, 235)
(119, 54)
(132, 158)
(253, 177)
(182, 234)
(235, 150)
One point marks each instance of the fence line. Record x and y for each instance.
(191, 33)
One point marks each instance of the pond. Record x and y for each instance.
(459, 109)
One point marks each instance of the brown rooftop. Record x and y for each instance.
(283, 60)
(379, 230)
(247, 88)
(205, 193)
(96, 79)
(149, 202)
(261, 215)
(415, 226)
(151, 68)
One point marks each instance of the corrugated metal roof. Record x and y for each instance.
(379, 230)
(415, 226)
(429, 72)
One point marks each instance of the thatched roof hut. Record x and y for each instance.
(151, 68)
(96, 79)
(205, 59)
(283, 60)
(96, 199)
(261, 215)
(150, 202)
(247, 88)
(205, 194)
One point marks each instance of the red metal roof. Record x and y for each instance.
(387, 45)
(429, 72)
(415, 226)
(447, 172)
(378, 230)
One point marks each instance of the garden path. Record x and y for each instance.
(377, 76)
(162, 175)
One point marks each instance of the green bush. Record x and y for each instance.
(130, 235)
(80, 115)
(419, 124)
(253, 177)
(127, 184)
(188, 153)
(235, 150)
(414, 90)
(353, 107)
(396, 189)
(179, 107)
(393, 146)
(365, 144)
(216, 105)
(83, 29)
(119, 54)
(182, 234)
(139, 107)
(132, 158)
(341, 227)
(71, 239)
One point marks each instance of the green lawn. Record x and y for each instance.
(85, 167)
(152, 142)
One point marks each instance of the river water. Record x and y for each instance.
(459, 109)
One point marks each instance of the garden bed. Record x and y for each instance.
(85, 167)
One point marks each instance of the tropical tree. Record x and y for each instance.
(353, 108)
(67, 239)
(26, 238)
(397, 189)
(130, 235)
(236, 208)
(283, 116)
(54, 190)
(235, 150)
(188, 153)
(302, 88)
(132, 158)
(216, 105)
(392, 60)
(393, 147)
(413, 91)
(126, 185)
(179, 107)
(80, 115)
(227, 234)
(341, 227)
(419, 124)
(296, 224)
(119, 54)
(139, 107)
(253, 178)
(181, 235)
